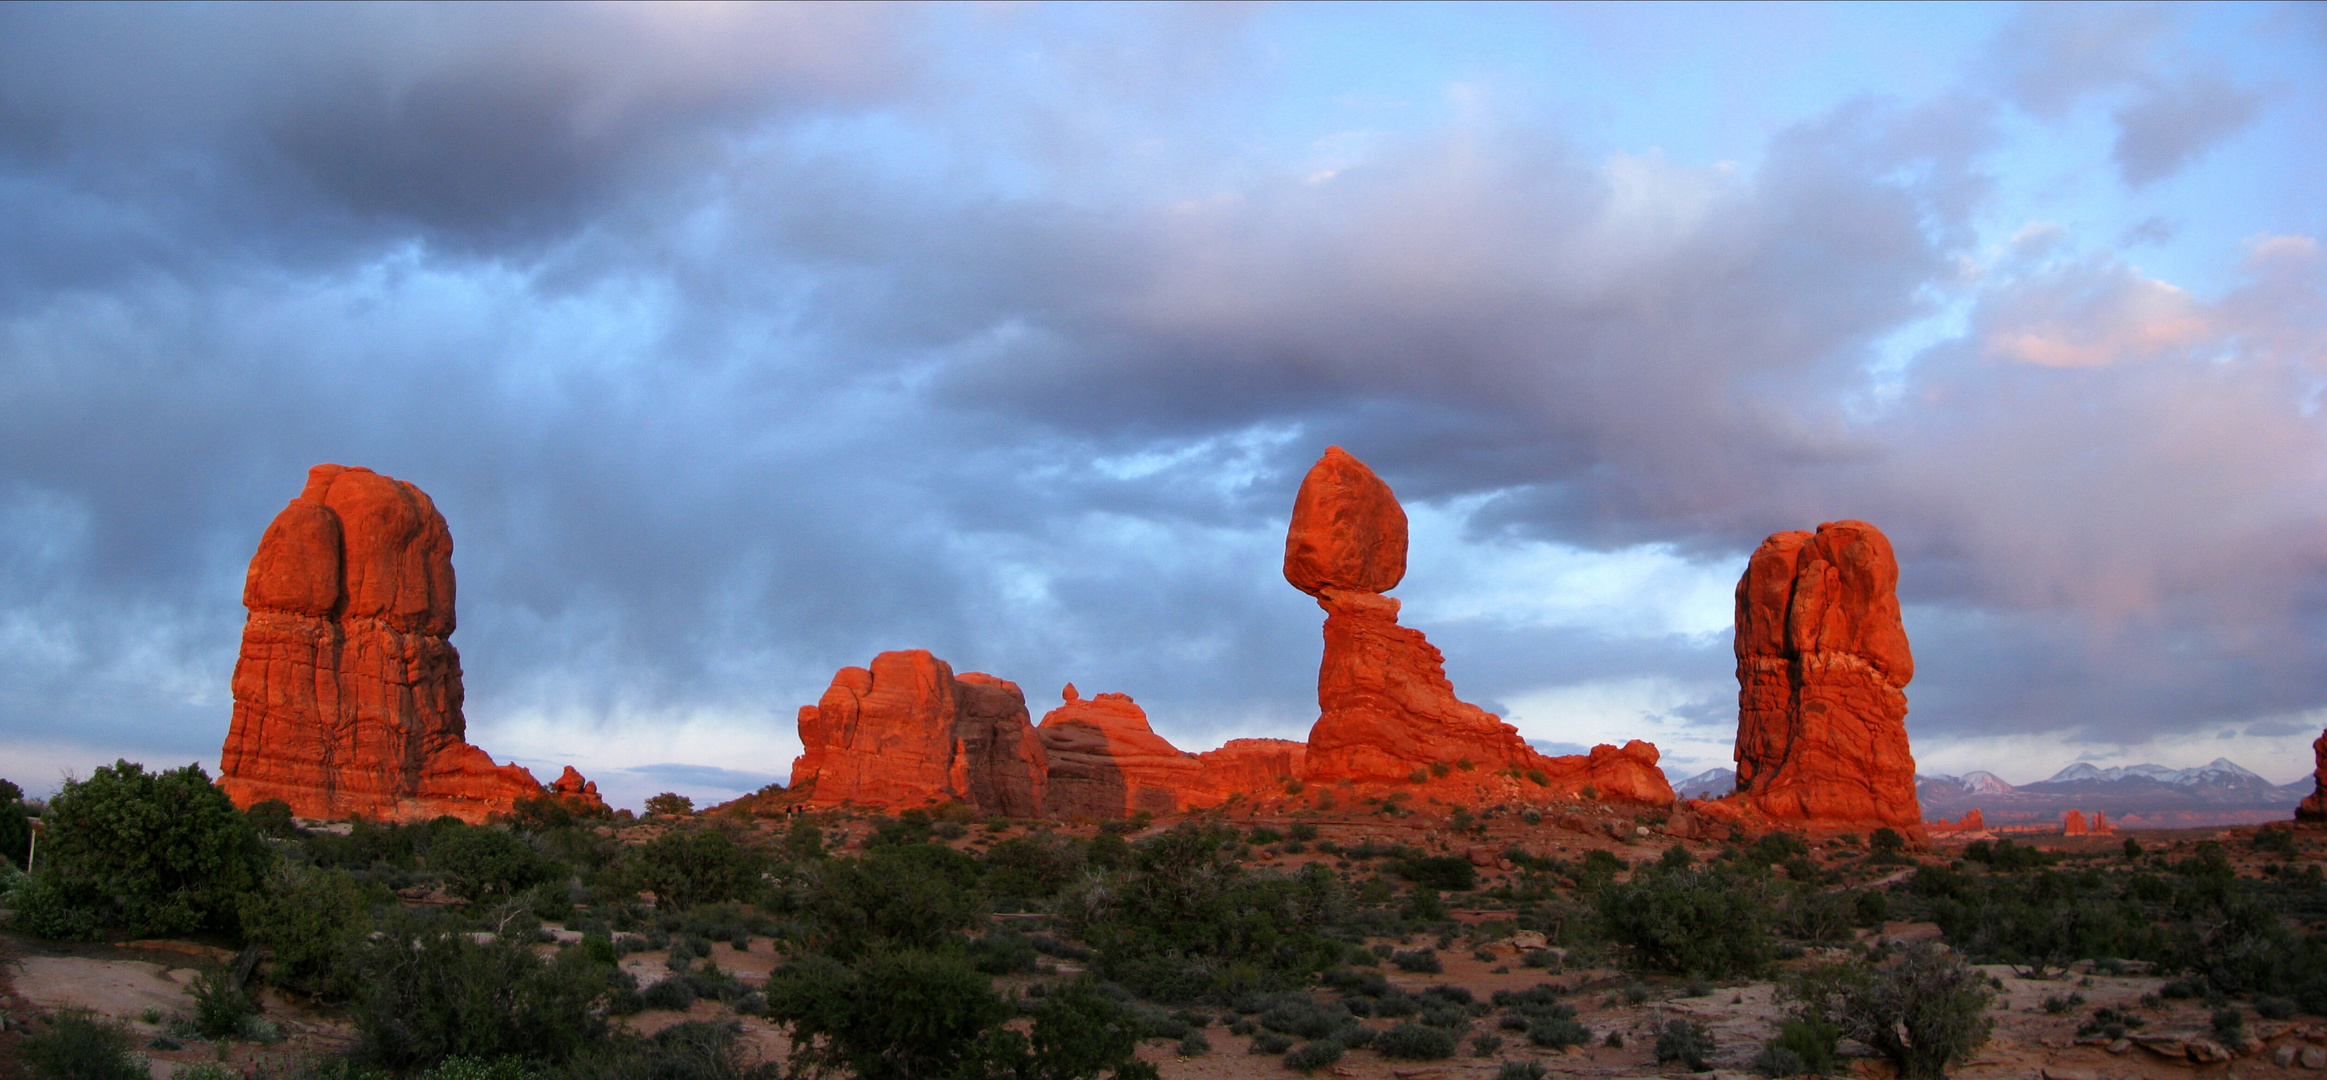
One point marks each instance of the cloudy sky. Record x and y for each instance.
(740, 344)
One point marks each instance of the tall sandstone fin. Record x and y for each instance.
(908, 732)
(347, 693)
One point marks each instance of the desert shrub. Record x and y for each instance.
(313, 921)
(1415, 1042)
(1194, 1044)
(1449, 873)
(1314, 1055)
(2229, 1025)
(152, 853)
(272, 818)
(915, 897)
(15, 826)
(1000, 952)
(1486, 1045)
(481, 862)
(672, 994)
(891, 1015)
(1294, 1014)
(1687, 1042)
(219, 1003)
(1033, 867)
(1712, 922)
(1521, 1070)
(670, 804)
(1924, 1009)
(1774, 849)
(1805, 1045)
(2273, 1008)
(1557, 1032)
(1270, 1042)
(77, 1044)
(688, 867)
(432, 992)
(2275, 841)
(1418, 961)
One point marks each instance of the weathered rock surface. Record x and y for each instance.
(1348, 531)
(2314, 806)
(1822, 667)
(1105, 762)
(579, 795)
(1252, 767)
(2074, 823)
(347, 693)
(1387, 713)
(907, 732)
(1971, 822)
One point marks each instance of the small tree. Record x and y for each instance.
(481, 861)
(889, 1016)
(432, 992)
(15, 825)
(1924, 1010)
(1711, 922)
(690, 867)
(314, 922)
(153, 853)
(670, 804)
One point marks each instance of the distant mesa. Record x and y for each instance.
(2218, 793)
(347, 692)
(1822, 670)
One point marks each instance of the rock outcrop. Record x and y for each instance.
(2314, 806)
(1972, 822)
(1105, 762)
(1252, 767)
(1387, 713)
(2074, 823)
(347, 693)
(1822, 667)
(579, 795)
(907, 732)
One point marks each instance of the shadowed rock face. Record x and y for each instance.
(347, 693)
(2314, 806)
(1105, 762)
(907, 732)
(1387, 712)
(1822, 670)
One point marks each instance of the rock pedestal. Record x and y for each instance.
(347, 693)
(1822, 670)
(1387, 713)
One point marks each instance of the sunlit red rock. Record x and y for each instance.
(2314, 806)
(1972, 821)
(1822, 670)
(347, 693)
(1387, 713)
(907, 732)
(1105, 762)
(1252, 767)
(2073, 823)
(579, 795)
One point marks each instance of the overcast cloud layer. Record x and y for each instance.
(739, 344)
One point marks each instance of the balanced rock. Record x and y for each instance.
(1822, 670)
(347, 693)
(907, 732)
(1105, 762)
(2314, 806)
(1387, 713)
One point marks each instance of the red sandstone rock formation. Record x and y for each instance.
(2314, 806)
(1252, 767)
(1388, 715)
(2073, 823)
(907, 732)
(1822, 666)
(1105, 762)
(1973, 821)
(347, 695)
(579, 795)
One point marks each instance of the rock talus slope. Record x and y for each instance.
(1387, 713)
(347, 692)
(1822, 670)
(907, 732)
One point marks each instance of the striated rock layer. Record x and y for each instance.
(1387, 713)
(347, 693)
(1822, 670)
(908, 732)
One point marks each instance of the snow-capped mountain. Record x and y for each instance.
(2210, 794)
(1710, 784)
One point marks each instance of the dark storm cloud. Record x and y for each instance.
(731, 361)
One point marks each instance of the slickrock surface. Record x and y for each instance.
(347, 693)
(907, 732)
(1105, 762)
(1388, 714)
(1822, 670)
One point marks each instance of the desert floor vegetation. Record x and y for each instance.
(938, 943)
